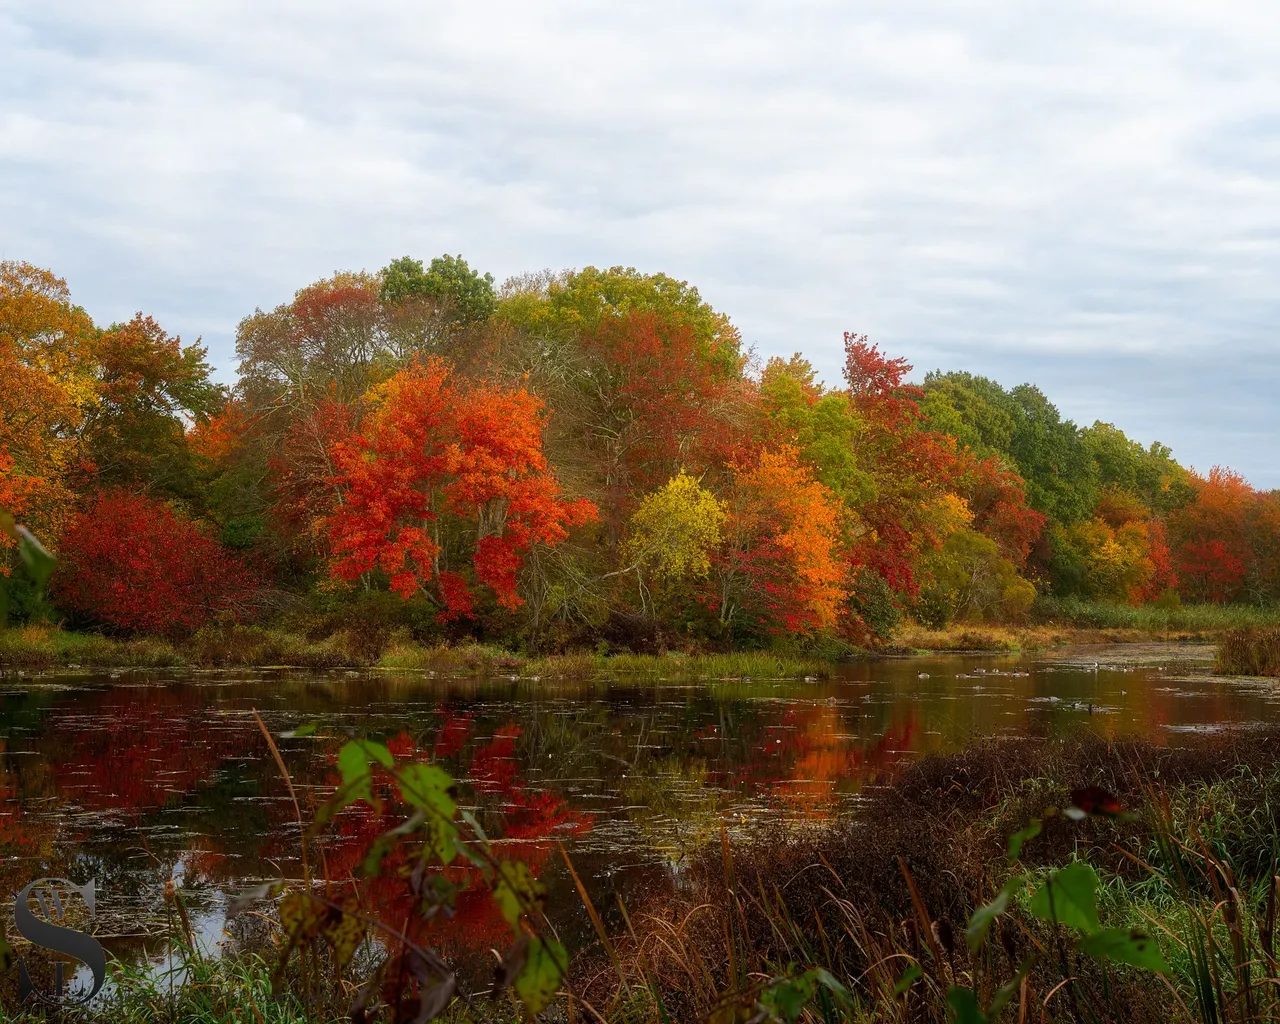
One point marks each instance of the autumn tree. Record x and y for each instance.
(997, 497)
(577, 303)
(781, 568)
(1210, 537)
(46, 365)
(150, 389)
(133, 563)
(675, 529)
(446, 487)
(818, 422)
(908, 464)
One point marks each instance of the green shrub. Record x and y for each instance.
(874, 602)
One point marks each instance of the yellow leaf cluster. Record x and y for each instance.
(676, 528)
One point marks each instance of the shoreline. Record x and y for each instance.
(36, 649)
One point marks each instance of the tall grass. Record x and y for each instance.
(1153, 618)
(45, 647)
(1195, 869)
(1249, 652)
(471, 659)
(863, 919)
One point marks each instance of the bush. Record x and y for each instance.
(935, 607)
(873, 601)
(969, 578)
(134, 564)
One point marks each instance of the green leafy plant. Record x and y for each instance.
(1067, 900)
(432, 844)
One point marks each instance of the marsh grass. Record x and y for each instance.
(46, 647)
(978, 637)
(468, 659)
(1195, 869)
(1248, 652)
(1152, 618)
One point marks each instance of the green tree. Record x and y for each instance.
(1149, 474)
(460, 293)
(817, 422)
(969, 580)
(150, 387)
(575, 304)
(1022, 426)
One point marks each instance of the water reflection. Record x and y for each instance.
(151, 776)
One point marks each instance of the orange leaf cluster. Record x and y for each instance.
(436, 458)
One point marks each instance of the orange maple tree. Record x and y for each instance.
(442, 471)
(782, 566)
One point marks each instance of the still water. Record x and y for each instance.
(137, 778)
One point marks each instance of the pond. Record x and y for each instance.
(136, 778)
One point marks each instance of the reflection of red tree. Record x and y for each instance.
(139, 750)
(14, 837)
(205, 861)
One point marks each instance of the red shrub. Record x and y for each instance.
(135, 564)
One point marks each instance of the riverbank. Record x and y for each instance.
(884, 900)
(1052, 624)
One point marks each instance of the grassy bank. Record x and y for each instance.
(39, 648)
(331, 642)
(1054, 622)
(1194, 870)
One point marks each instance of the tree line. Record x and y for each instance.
(570, 457)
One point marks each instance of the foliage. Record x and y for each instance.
(537, 486)
(46, 365)
(149, 386)
(458, 293)
(443, 471)
(907, 463)
(579, 303)
(425, 856)
(970, 581)
(780, 568)
(1211, 537)
(675, 529)
(133, 563)
(1049, 452)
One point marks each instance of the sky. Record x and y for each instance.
(1085, 196)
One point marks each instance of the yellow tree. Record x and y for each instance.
(675, 529)
(46, 363)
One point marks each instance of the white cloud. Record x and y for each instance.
(1084, 196)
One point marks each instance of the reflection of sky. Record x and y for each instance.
(1081, 196)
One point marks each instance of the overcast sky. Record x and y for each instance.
(1086, 196)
